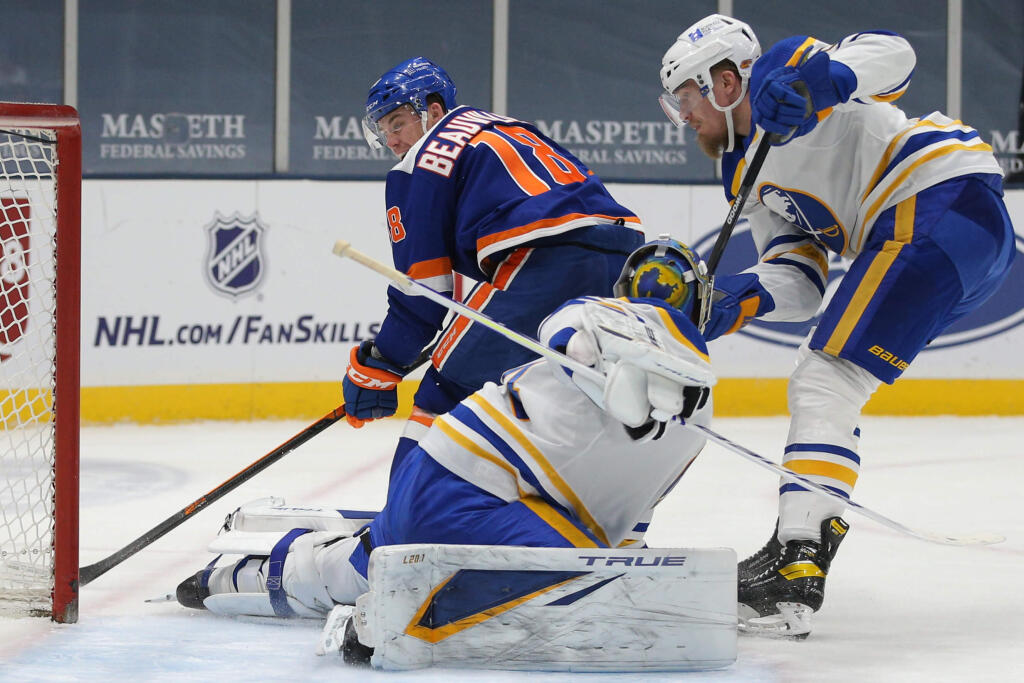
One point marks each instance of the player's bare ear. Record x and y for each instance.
(434, 112)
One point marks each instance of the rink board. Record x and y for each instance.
(222, 300)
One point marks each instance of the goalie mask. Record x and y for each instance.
(697, 49)
(669, 270)
(407, 83)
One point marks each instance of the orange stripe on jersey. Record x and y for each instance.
(431, 268)
(509, 267)
(525, 178)
(421, 416)
(455, 330)
(488, 240)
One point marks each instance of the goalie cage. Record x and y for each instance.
(40, 207)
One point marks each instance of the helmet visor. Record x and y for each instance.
(679, 105)
(378, 125)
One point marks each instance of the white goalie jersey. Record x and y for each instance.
(538, 434)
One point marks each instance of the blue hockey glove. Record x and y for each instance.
(370, 385)
(789, 99)
(736, 300)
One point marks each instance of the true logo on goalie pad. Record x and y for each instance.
(235, 262)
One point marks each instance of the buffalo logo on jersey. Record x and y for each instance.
(808, 213)
(234, 259)
(15, 213)
(1002, 312)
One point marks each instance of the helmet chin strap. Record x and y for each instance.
(727, 110)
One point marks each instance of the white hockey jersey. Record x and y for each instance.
(537, 434)
(822, 192)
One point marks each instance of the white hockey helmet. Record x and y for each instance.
(696, 50)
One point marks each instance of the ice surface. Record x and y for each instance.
(896, 609)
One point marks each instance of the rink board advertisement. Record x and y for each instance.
(233, 284)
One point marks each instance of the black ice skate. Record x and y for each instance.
(780, 600)
(762, 559)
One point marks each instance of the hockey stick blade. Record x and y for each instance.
(91, 572)
(943, 539)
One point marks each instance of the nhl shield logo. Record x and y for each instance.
(235, 262)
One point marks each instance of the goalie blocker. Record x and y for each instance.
(553, 609)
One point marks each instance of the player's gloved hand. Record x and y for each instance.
(370, 385)
(736, 301)
(789, 98)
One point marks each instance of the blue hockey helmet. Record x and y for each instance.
(669, 270)
(407, 83)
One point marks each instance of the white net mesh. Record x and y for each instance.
(27, 378)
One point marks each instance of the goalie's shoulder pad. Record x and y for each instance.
(563, 322)
(679, 327)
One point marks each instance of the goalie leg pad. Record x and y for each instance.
(273, 514)
(304, 574)
(553, 609)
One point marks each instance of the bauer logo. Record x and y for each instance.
(1003, 311)
(14, 263)
(235, 262)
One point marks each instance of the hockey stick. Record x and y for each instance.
(737, 204)
(91, 572)
(944, 539)
(407, 284)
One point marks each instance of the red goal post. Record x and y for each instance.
(40, 216)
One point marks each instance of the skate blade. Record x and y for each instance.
(793, 622)
(333, 636)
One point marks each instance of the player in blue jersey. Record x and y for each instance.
(492, 199)
(915, 203)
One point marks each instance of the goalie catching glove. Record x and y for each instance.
(654, 362)
(370, 386)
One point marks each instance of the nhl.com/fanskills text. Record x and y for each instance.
(148, 330)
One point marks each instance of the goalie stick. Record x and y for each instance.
(407, 284)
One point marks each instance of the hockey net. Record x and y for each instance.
(40, 204)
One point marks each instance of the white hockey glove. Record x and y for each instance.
(647, 376)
